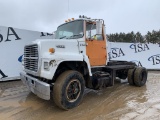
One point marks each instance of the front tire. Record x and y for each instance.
(68, 89)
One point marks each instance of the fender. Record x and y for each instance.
(54, 61)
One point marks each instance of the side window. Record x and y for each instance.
(91, 32)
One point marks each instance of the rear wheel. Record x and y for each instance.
(140, 76)
(68, 89)
(131, 76)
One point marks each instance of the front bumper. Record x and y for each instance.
(41, 89)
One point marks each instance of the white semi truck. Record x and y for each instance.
(75, 59)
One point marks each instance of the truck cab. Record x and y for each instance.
(75, 59)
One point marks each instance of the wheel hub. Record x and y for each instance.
(73, 90)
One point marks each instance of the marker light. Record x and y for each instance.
(69, 20)
(72, 18)
(51, 50)
(66, 21)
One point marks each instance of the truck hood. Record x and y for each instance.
(61, 46)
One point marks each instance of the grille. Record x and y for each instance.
(31, 57)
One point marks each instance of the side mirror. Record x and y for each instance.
(99, 27)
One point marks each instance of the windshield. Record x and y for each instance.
(71, 30)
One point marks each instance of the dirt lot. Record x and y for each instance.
(121, 101)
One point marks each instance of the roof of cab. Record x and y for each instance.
(85, 19)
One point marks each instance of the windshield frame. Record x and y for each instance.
(74, 36)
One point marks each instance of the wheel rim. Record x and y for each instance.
(73, 90)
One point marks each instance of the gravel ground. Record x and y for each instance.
(120, 102)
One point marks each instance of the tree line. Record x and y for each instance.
(131, 37)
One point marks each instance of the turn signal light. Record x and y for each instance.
(51, 50)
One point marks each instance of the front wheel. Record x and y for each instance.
(68, 89)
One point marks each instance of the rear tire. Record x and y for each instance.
(140, 76)
(131, 76)
(68, 89)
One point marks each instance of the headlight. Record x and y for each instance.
(46, 65)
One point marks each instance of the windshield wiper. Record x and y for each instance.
(62, 37)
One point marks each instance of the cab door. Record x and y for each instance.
(96, 46)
